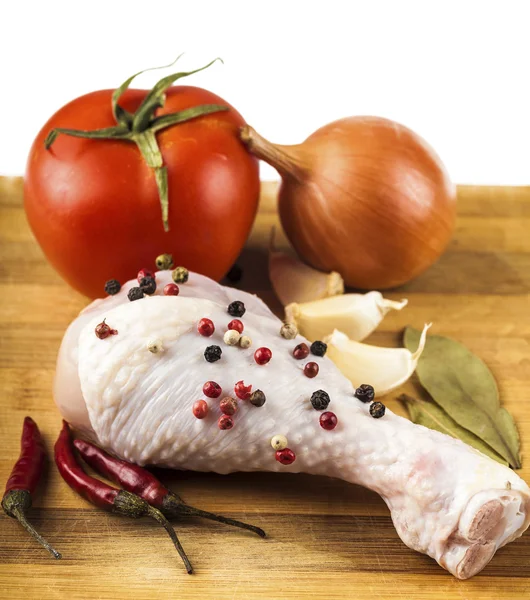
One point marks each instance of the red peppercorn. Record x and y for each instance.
(328, 420)
(237, 325)
(301, 351)
(104, 331)
(285, 456)
(262, 356)
(228, 406)
(225, 422)
(311, 369)
(212, 389)
(145, 273)
(171, 289)
(242, 391)
(200, 409)
(206, 327)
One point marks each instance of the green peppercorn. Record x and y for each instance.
(257, 398)
(112, 287)
(180, 275)
(377, 410)
(135, 293)
(213, 353)
(148, 285)
(320, 400)
(365, 393)
(318, 348)
(164, 262)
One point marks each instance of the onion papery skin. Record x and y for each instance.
(366, 197)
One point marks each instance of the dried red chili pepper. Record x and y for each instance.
(139, 481)
(24, 480)
(105, 496)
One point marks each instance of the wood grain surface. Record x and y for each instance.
(327, 539)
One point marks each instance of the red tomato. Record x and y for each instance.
(94, 208)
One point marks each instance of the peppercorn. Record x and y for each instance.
(228, 406)
(236, 308)
(212, 353)
(311, 370)
(200, 409)
(245, 341)
(237, 325)
(148, 285)
(377, 410)
(301, 351)
(365, 393)
(279, 442)
(320, 400)
(285, 456)
(225, 422)
(104, 331)
(242, 391)
(262, 356)
(288, 331)
(112, 287)
(135, 293)
(328, 420)
(155, 346)
(231, 337)
(212, 389)
(164, 262)
(235, 273)
(180, 275)
(205, 327)
(257, 398)
(144, 273)
(318, 348)
(171, 289)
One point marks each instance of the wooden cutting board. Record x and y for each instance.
(327, 539)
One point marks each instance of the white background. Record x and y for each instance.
(457, 72)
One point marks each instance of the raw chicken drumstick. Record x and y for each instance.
(446, 499)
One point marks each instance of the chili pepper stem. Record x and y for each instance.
(159, 517)
(13, 505)
(172, 508)
(131, 505)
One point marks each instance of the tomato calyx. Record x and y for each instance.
(141, 127)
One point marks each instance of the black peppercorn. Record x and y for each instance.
(135, 293)
(112, 287)
(212, 353)
(235, 274)
(320, 400)
(364, 393)
(377, 410)
(148, 285)
(236, 309)
(257, 398)
(318, 348)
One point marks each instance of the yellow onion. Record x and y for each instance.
(363, 196)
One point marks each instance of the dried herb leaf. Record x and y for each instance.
(464, 387)
(432, 416)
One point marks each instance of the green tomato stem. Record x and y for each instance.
(142, 126)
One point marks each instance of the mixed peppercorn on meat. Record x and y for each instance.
(278, 404)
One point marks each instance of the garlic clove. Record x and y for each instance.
(383, 368)
(294, 281)
(356, 315)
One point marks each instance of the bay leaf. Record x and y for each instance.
(430, 415)
(461, 383)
